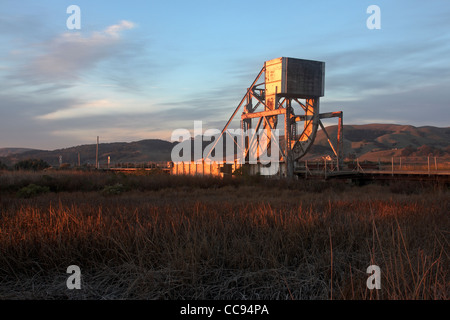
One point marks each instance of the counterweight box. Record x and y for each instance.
(292, 77)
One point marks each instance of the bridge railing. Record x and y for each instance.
(393, 165)
(429, 164)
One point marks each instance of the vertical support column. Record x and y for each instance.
(243, 141)
(287, 140)
(312, 119)
(340, 142)
(246, 127)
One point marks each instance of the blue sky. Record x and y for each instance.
(141, 69)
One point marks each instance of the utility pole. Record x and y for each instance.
(96, 155)
(392, 172)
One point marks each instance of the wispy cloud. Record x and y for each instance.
(69, 54)
(91, 108)
(100, 108)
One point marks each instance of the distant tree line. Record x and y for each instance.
(31, 165)
(3, 166)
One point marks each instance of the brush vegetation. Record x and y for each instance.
(177, 237)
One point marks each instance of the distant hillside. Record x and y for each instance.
(366, 142)
(373, 141)
(7, 152)
(119, 152)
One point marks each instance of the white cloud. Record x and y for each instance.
(91, 108)
(115, 29)
(108, 107)
(67, 55)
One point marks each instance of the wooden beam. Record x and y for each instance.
(328, 137)
(330, 115)
(263, 114)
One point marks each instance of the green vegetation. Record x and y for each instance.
(32, 190)
(31, 164)
(115, 189)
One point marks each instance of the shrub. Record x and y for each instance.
(31, 164)
(3, 166)
(32, 190)
(115, 189)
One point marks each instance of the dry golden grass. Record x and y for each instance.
(221, 239)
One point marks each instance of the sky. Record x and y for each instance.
(142, 69)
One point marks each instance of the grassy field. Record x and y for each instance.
(174, 237)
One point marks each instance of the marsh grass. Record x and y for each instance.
(165, 237)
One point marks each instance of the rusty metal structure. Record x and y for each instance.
(285, 96)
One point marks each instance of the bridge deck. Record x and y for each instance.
(375, 175)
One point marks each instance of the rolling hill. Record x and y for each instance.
(7, 152)
(154, 150)
(366, 142)
(374, 141)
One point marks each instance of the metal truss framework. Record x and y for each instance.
(297, 141)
